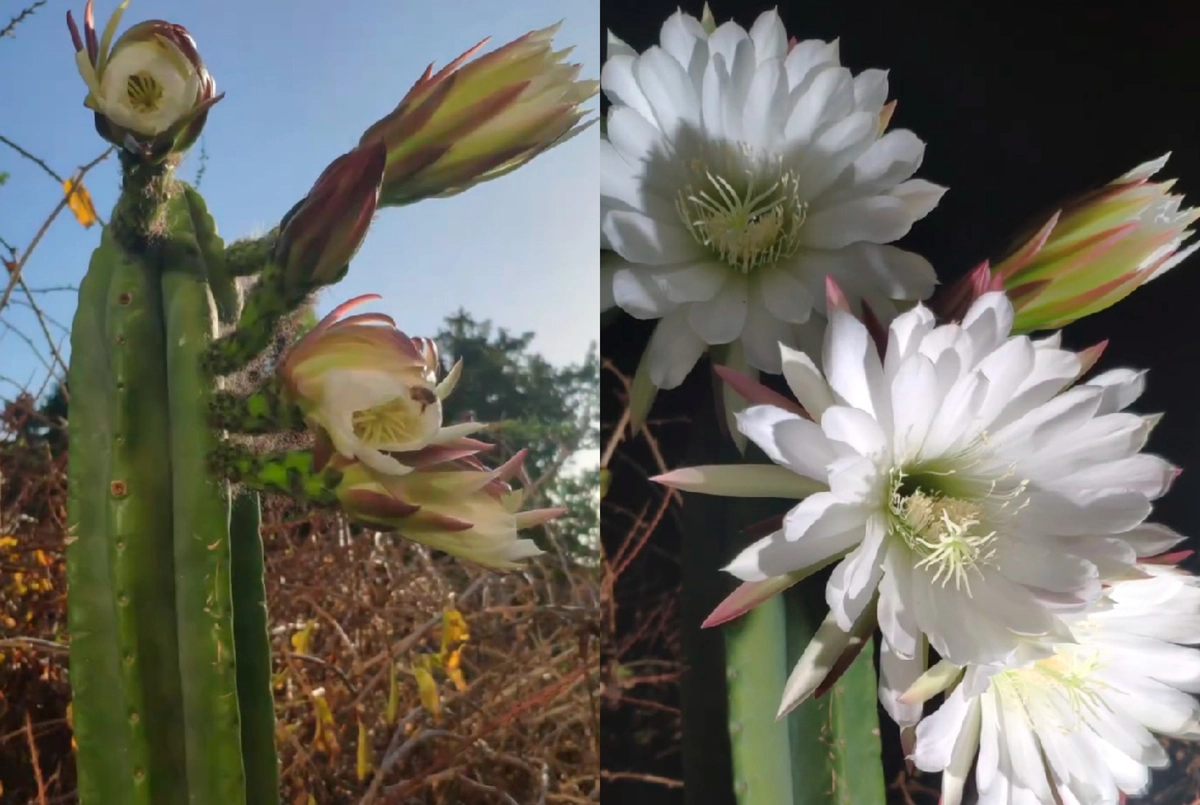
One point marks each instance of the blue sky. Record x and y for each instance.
(304, 79)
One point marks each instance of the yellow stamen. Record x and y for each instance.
(144, 92)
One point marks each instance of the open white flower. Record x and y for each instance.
(368, 390)
(1078, 724)
(960, 482)
(736, 174)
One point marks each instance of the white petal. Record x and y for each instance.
(769, 36)
(853, 368)
(854, 581)
(641, 239)
(690, 282)
(890, 160)
(621, 188)
(806, 382)
(1146, 474)
(673, 350)
(618, 83)
(821, 515)
(776, 555)
(896, 675)
(720, 320)
(1151, 539)
(832, 151)
(938, 733)
(634, 138)
(915, 402)
(789, 440)
(830, 95)
(617, 46)
(638, 292)
(608, 267)
(684, 38)
(785, 296)
(870, 90)
(766, 106)
(1122, 387)
(905, 335)
(762, 335)
(919, 197)
(896, 620)
(988, 321)
(856, 429)
(963, 755)
(877, 219)
(802, 60)
(727, 39)
(1100, 512)
(669, 90)
(1031, 564)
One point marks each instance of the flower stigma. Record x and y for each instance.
(944, 531)
(752, 223)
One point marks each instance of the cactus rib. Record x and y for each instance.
(252, 646)
(203, 602)
(105, 769)
(139, 530)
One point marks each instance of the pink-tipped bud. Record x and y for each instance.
(1096, 250)
(477, 120)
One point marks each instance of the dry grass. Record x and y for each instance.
(345, 612)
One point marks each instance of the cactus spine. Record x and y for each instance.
(163, 713)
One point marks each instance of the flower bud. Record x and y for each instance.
(367, 389)
(322, 233)
(1097, 250)
(450, 502)
(476, 121)
(150, 89)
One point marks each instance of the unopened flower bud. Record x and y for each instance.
(475, 121)
(1097, 250)
(320, 235)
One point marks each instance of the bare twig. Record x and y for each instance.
(16, 272)
(35, 160)
(37, 763)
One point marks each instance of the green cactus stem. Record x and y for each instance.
(221, 282)
(252, 647)
(265, 306)
(143, 577)
(203, 601)
(247, 257)
(99, 711)
(287, 472)
(836, 750)
(756, 671)
(267, 410)
(162, 713)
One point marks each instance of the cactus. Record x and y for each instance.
(180, 408)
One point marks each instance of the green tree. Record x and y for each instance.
(553, 411)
